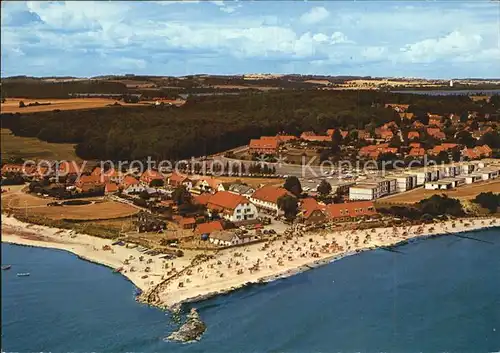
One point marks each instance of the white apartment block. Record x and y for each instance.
(405, 182)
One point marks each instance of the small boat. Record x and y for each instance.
(117, 270)
(6, 267)
(24, 274)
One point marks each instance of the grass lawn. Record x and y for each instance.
(33, 148)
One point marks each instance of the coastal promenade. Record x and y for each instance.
(228, 269)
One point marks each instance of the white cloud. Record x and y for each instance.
(429, 50)
(315, 15)
(145, 36)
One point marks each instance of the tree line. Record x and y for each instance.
(206, 125)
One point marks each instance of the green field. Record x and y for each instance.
(33, 148)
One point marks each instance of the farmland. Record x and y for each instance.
(32, 148)
(11, 105)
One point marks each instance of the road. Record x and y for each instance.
(307, 171)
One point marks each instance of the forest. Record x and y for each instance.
(40, 89)
(206, 125)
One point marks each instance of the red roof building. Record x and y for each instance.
(436, 133)
(202, 199)
(435, 120)
(209, 227)
(373, 151)
(442, 147)
(413, 135)
(264, 145)
(267, 197)
(149, 175)
(417, 124)
(178, 179)
(417, 152)
(129, 180)
(477, 152)
(187, 222)
(312, 212)
(312, 137)
(110, 188)
(342, 211)
(86, 182)
(233, 207)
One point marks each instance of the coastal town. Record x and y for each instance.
(250, 176)
(252, 213)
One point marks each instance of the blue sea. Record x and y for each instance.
(437, 295)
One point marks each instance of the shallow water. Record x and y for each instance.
(440, 294)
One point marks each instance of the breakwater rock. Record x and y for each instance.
(191, 330)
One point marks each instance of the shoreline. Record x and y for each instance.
(319, 263)
(159, 289)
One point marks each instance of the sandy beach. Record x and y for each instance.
(166, 283)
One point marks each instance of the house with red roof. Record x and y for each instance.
(266, 198)
(417, 152)
(312, 137)
(350, 210)
(232, 207)
(131, 185)
(435, 120)
(477, 152)
(413, 135)
(88, 182)
(311, 212)
(417, 124)
(374, 151)
(177, 179)
(110, 188)
(209, 184)
(384, 133)
(209, 227)
(436, 133)
(264, 145)
(186, 222)
(415, 144)
(442, 147)
(202, 199)
(14, 168)
(149, 175)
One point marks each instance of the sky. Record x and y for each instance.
(438, 39)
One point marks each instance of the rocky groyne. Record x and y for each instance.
(191, 330)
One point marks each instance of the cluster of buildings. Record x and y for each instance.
(410, 137)
(271, 145)
(433, 178)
